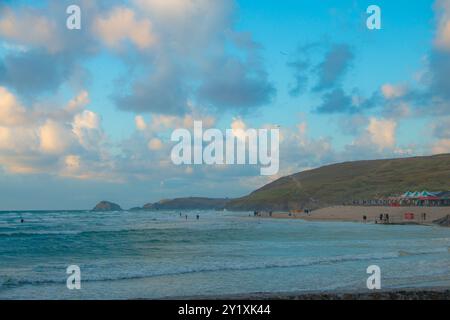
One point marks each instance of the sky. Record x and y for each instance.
(86, 115)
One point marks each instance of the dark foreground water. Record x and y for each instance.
(154, 255)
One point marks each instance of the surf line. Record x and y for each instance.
(236, 147)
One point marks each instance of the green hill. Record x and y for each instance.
(342, 183)
(188, 204)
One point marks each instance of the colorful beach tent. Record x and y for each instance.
(418, 194)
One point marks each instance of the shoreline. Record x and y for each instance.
(438, 293)
(372, 214)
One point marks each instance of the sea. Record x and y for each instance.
(172, 254)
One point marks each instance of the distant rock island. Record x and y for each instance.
(106, 206)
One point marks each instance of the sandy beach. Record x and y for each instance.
(356, 214)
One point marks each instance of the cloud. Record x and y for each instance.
(336, 63)
(66, 142)
(164, 123)
(439, 69)
(17, 140)
(188, 27)
(55, 138)
(299, 151)
(328, 73)
(140, 123)
(34, 71)
(28, 27)
(72, 162)
(122, 25)
(11, 111)
(382, 132)
(86, 127)
(441, 129)
(354, 124)
(192, 61)
(393, 91)
(168, 8)
(300, 70)
(442, 40)
(79, 102)
(41, 53)
(155, 144)
(162, 92)
(442, 146)
(177, 51)
(232, 84)
(335, 101)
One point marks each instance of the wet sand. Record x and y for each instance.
(356, 214)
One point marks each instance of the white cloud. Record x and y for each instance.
(86, 120)
(382, 132)
(86, 127)
(140, 123)
(55, 138)
(79, 102)
(161, 123)
(121, 24)
(393, 91)
(64, 141)
(11, 111)
(442, 146)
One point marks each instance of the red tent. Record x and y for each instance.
(409, 216)
(429, 198)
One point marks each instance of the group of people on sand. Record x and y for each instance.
(260, 214)
(384, 218)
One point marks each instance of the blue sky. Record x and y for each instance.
(85, 115)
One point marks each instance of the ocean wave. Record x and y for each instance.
(142, 274)
(404, 253)
(30, 233)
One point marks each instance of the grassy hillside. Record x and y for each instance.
(344, 182)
